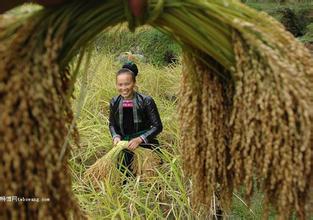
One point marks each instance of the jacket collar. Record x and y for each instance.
(135, 112)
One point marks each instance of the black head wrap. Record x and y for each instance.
(132, 67)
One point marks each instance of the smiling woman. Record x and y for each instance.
(134, 117)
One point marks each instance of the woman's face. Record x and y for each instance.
(125, 85)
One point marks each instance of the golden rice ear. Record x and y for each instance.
(204, 107)
(271, 122)
(34, 121)
(253, 126)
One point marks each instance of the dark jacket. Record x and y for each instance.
(145, 114)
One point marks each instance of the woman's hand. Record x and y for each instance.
(116, 140)
(134, 143)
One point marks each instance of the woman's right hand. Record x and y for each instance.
(116, 140)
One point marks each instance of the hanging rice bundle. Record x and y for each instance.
(203, 116)
(271, 122)
(35, 116)
(143, 164)
(267, 114)
(33, 129)
(246, 99)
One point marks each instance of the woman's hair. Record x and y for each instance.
(129, 67)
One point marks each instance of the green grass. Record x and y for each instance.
(141, 42)
(272, 5)
(301, 20)
(308, 37)
(167, 196)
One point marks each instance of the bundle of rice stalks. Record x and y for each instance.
(257, 122)
(145, 162)
(34, 118)
(106, 168)
(205, 105)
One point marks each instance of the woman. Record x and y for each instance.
(133, 116)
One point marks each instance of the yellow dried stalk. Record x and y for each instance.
(105, 168)
(145, 162)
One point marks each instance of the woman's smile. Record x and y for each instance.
(125, 85)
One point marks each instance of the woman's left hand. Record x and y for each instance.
(134, 143)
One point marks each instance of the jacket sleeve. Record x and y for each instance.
(155, 120)
(112, 122)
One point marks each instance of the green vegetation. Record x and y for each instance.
(295, 16)
(308, 37)
(166, 195)
(160, 50)
(156, 47)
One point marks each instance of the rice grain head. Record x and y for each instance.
(271, 122)
(34, 118)
(204, 108)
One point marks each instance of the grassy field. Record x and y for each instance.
(166, 196)
(297, 17)
(119, 40)
(270, 5)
